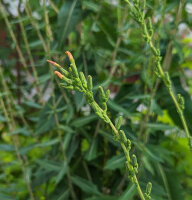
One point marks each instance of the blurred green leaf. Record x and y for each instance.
(85, 185)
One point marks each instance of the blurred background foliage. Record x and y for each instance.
(52, 145)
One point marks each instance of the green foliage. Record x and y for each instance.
(133, 64)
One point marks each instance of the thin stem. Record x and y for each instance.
(15, 139)
(22, 59)
(118, 42)
(34, 24)
(30, 59)
(139, 15)
(54, 6)
(77, 81)
(49, 39)
(130, 167)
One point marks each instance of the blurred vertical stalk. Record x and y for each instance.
(165, 65)
(11, 103)
(34, 24)
(15, 139)
(21, 56)
(54, 6)
(49, 40)
(118, 41)
(30, 58)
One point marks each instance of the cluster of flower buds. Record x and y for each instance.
(73, 80)
(148, 191)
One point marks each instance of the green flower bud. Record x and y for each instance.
(167, 80)
(134, 163)
(89, 83)
(148, 188)
(119, 122)
(128, 145)
(83, 79)
(123, 136)
(181, 101)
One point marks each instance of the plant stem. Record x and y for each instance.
(139, 15)
(49, 39)
(22, 59)
(34, 24)
(15, 139)
(130, 167)
(77, 81)
(30, 59)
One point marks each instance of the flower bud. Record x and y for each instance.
(59, 74)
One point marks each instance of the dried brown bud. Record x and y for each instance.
(70, 56)
(59, 74)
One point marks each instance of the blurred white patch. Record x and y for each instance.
(188, 8)
(184, 31)
(86, 109)
(36, 15)
(13, 6)
(46, 2)
(141, 108)
(47, 93)
(112, 95)
(156, 18)
(168, 18)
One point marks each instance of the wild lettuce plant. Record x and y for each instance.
(137, 10)
(74, 80)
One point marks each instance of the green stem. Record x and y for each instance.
(129, 166)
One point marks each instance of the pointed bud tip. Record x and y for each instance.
(59, 74)
(70, 56)
(53, 63)
(49, 61)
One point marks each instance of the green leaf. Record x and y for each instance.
(103, 197)
(5, 197)
(91, 6)
(115, 162)
(116, 107)
(83, 120)
(2, 118)
(49, 165)
(21, 131)
(92, 152)
(159, 126)
(128, 193)
(61, 173)
(6, 147)
(69, 16)
(32, 104)
(64, 195)
(85, 185)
